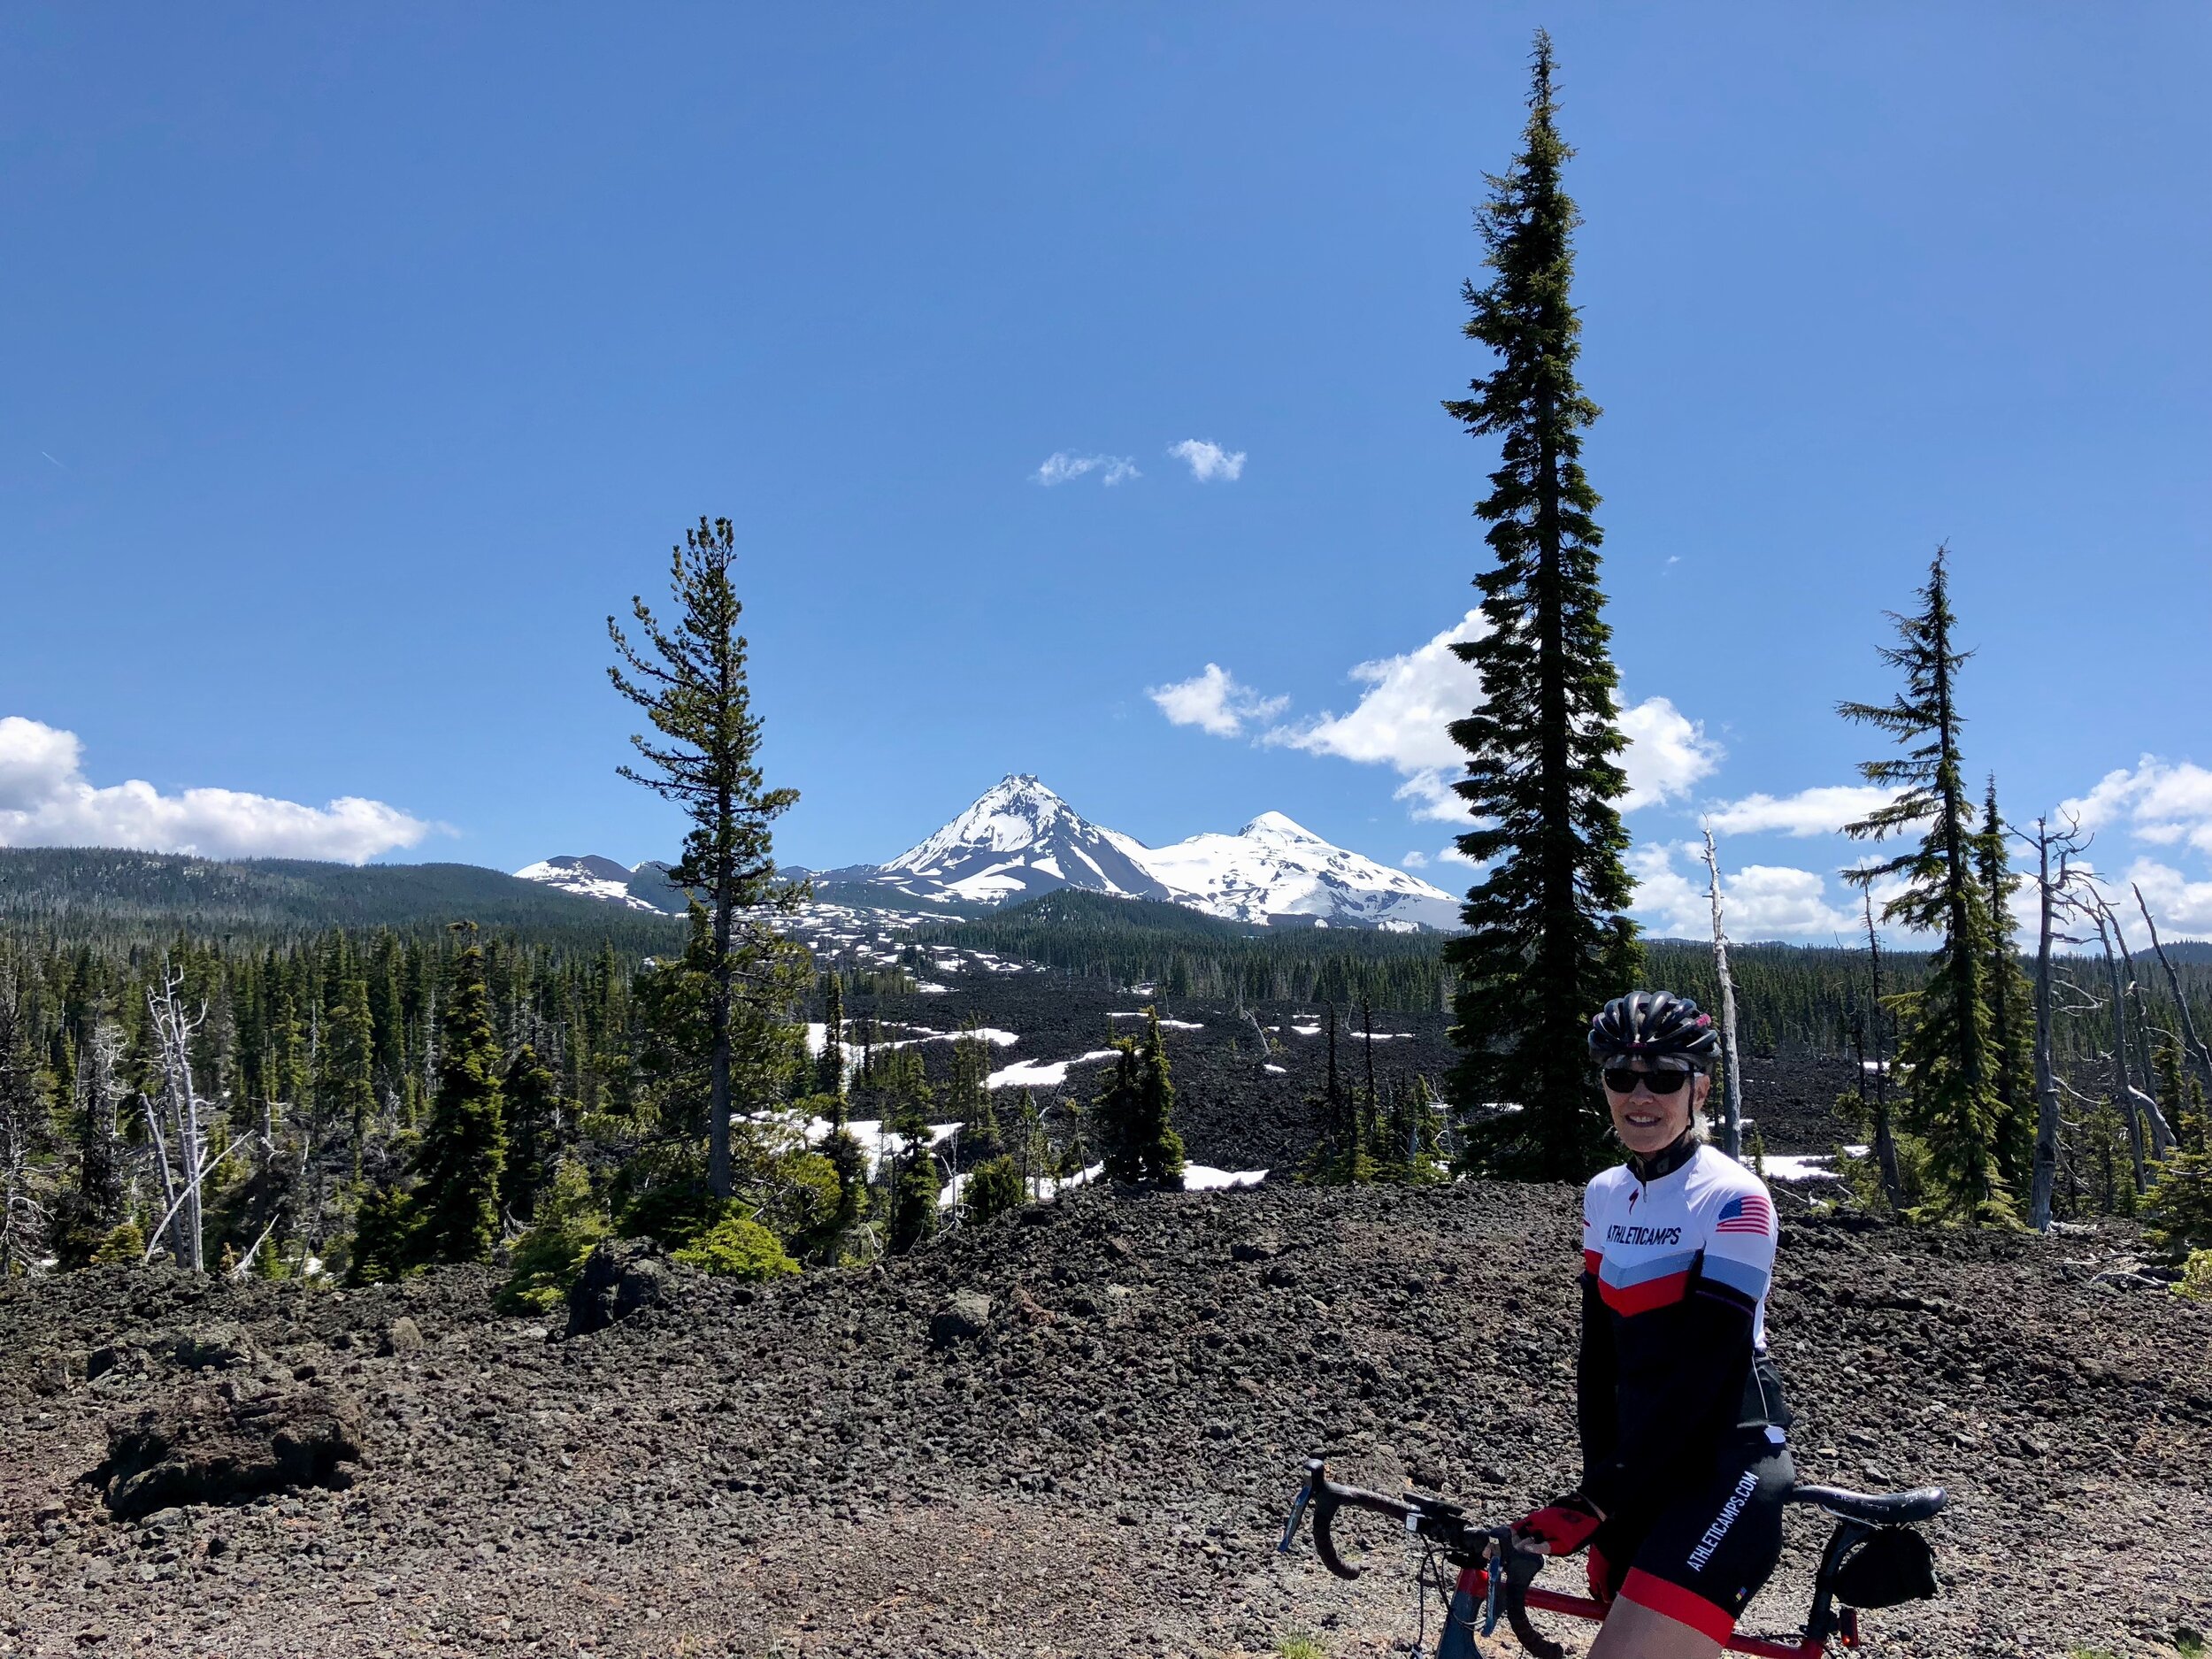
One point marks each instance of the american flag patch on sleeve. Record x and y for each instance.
(1750, 1213)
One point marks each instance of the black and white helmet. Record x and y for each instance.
(1654, 1024)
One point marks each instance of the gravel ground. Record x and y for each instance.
(1101, 1468)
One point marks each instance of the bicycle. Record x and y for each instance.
(1497, 1573)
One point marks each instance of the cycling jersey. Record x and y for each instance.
(1677, 1256)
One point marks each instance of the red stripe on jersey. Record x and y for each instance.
(1629, 1300)
(1684, 1607)
(1591, 1261)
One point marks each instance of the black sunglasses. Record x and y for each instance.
(1622, 1080)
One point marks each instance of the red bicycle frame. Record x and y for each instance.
(1474, 1585)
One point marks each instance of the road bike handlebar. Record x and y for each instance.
(1510, 1567)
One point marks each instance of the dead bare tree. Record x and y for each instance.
(2056, 896)
(173, 1120)
(2196, 1046)
(1731, 1098)
(2130, 1043)
(22, 1213)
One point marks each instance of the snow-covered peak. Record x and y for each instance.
(1016, 840)
(1014, 813)
(588, 876)
(1278, 869)
(1275, 825)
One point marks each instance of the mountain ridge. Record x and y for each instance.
(1019, 840)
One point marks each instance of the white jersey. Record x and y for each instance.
(1708, 1225)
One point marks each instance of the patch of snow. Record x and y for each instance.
(1812, 1167)
(1042, 1073)
(1278, 1070)
(928, 989)
(1201, 1177)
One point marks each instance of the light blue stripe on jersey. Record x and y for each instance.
(1621, 1275)
(1736, 1275)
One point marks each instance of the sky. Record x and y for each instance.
(1071, 375)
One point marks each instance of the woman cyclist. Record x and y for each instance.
(1684, 1461)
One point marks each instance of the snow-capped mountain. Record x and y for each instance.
(1018, 840)
(592, 877)
(1275, 868)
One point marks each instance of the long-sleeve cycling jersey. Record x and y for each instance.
(1676, 1264)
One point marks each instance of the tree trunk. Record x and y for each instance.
(2123, 1085)
(2202, 1055)
(1732, 1120)
(2047, 1113)
(1885, 1140)
(2161, 1135)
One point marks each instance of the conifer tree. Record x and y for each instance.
(530, 1108)
(690, 678)
(1159, 1149)
(2011, 1003)
(1547, 941)
(1948, 1047)
(464, 1147)
(1115, 1109)
(830, 1076)
(916, 1180)
(345, 1060)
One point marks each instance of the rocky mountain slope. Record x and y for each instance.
(1072, 1434)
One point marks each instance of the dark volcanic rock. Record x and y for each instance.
(619, 1277)
(966, 1315)
(789, 1468)
(216, 1446)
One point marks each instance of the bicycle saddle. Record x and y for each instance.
(1875, 1509)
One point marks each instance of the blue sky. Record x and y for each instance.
(355, 365)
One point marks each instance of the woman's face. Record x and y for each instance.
(1646, 1122)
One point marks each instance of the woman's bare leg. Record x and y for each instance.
(1634, 1631)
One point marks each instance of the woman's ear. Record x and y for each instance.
(1701, 1086)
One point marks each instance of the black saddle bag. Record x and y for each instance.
(1891, 1565)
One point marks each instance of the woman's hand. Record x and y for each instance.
(1563, 1525)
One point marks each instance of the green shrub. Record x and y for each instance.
(737, 1247)
(2178, 1210)
(2196, 1277)
(993, 1188)
(125, 1245)
(547, 1257)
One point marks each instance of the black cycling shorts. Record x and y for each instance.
(1701, 1558)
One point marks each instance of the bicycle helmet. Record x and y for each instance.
(1654, 1024)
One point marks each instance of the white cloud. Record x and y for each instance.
(1757, 902)
(1823, 811)
(1214, 702)
(1415, 860)
(1403, 718)
(46, 801)
(2182, 908)
(1209, 461)
(1667, 752)
(1060, 467)
(2160, 802)
(1400, 720)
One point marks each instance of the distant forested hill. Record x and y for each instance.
(78, 893)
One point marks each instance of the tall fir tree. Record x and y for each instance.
(690, 677)
(1159, 1148)
(830, 1075)
(916, 1180)
(345, 1060)
(1948, 1047)
(463, 1146)
(1546, 940)
(2012, 1002)
(531, 1112)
